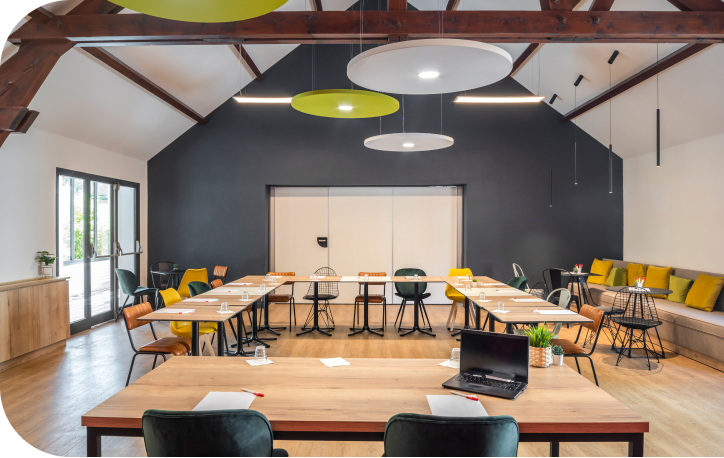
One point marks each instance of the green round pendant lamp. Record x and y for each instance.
(345, 103)
(203, 10)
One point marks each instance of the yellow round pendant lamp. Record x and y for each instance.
(202, 10)
(345, 103)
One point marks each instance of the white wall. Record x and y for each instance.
(674, 214)
(27, 193)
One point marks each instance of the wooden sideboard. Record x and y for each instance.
(34, 317)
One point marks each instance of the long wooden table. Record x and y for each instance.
(304, 400)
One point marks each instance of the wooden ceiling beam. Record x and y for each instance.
(558, 5)
(10, 117)
(317, 5)
(495, 26)
(27, 121)
(252, 66)
(41, 14)
(119, 66)
(601, 5)
(452, 5)
(698, 5)
(650, 71)
(396, 5)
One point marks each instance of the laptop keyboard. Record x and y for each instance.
(487, 382)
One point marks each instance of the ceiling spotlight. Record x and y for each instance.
(428, 75)
(408, 145)
(345, 107)
(533, 99)
(263, 99)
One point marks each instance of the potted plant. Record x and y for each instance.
(45, 263)
(557, 355)
(475, 283)
(540, 345)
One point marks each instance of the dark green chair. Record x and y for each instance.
(410, 434)
(211, 433)
(407, 292)
(520, 283)
(131, 287)
(198, 287)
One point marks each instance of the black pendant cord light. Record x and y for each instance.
(575, 130)
(658, 112)
(610, 136)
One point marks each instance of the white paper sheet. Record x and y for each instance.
(319, 277)
(490, 284)
(556, 312)
(239, 284)
(501, 292)
(261, 362)
(532, 299)
(220, 400)
(200, 300)
(355, 279)
(167, 310)
(334, 362)
(455, 406)
(449, 363)
(225, 313)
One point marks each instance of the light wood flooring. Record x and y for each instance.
(45, 398)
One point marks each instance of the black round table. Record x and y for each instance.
(583, 291)
(174, 274)
(633, 290)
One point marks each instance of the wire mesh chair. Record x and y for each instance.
(326, 291)
(517, 271)
(634, 310)
(539, 290)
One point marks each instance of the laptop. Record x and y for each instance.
(492, 363)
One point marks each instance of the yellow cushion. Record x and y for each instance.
(183, 328)
(450, 292)
(635, 271)
(704, 292)
(680, 288)
(602, 268)
(658, 277)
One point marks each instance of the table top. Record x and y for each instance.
(632, 290)
(361, 397)
(527, 315)
(202, 312)
(168, 272)
(580, 274)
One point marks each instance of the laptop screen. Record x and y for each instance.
(488, 352)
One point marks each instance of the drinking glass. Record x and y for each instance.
(273, 280)
(468, 277)
(482, 296)
(455, 357)
(468, 288)
(267, 277)
(262, 287)
(501, 307)
(260, 354)
(224, 307)
(367, 278)
(245, 296)
(314, 276)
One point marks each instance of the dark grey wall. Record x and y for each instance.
(208, 198)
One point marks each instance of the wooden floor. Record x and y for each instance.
(44, 398)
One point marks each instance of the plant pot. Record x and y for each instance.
(557, 360)
(45, 270)
(540, 357)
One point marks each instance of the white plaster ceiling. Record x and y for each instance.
(85, 100)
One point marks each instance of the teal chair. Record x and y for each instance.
(520, 283)
(407, 292)
(198, 287)
(130, 287)
(212, 433)
(409, 434)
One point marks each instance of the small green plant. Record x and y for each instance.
(539, 336)
(45, 257)
(557, 350)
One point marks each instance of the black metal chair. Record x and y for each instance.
(130, 287)
(326, 291)
(407, 292)
(635, 310)
(164, 281)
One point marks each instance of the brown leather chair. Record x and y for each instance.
(572, 348)
(159, 347)
(220, 272)
(216, 283)
(371, 298)
(276, 297)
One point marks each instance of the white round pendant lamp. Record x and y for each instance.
(430, 66)
(409, 141)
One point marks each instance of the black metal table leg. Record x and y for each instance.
(467, 317)
(220, 338)
(416, 325)
(195, 338)
(265, 326)
(254, 337)
(491, 322)
(93, 442)
(241, 339)
(555, 449)
(315, 326)
(366, 324)
(508, 328)
(636, 446)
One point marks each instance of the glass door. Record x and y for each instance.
(92, 230)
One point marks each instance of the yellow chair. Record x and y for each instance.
(183, 328)
(189, 276)
(457, 298)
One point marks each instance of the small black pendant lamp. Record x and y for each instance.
(610, 141)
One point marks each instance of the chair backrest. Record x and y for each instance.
(220, 271)
(198, 287)
(128, 281)
(327, 289)
(554, 279)
(189, 276)
(563, 299)
(456, 273)
(594, 314)
(518, 282)
(284, 274)
(131, 315)
(216, 283)
(408, 289)
(207, 433)
(373, 274)
(170, 296)
(517, 271)
(409, 434)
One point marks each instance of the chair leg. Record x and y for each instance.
(154, 362)
(128, 380)
(210, 346)
(424, 311)
(122, 307)
(593, 368)
(577, 365)
(400, 313)
(449, 315)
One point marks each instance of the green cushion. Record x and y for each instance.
(407, 289)
(680, 287)
(518, 283)
(198, 287)
(617, 277)
(409, 434)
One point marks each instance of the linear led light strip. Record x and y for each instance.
(286, 100)
(461, 99)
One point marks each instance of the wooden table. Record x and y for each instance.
(353, 403)
(202, 312)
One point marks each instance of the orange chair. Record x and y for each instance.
(216, 283)
(220, 272)
(371, 298)
(571, 348)
(281, 298)
(159, 347)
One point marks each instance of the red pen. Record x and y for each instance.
(253, 392)
(466, 396)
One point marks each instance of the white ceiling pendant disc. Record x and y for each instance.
(409, 141)
(433, 66)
